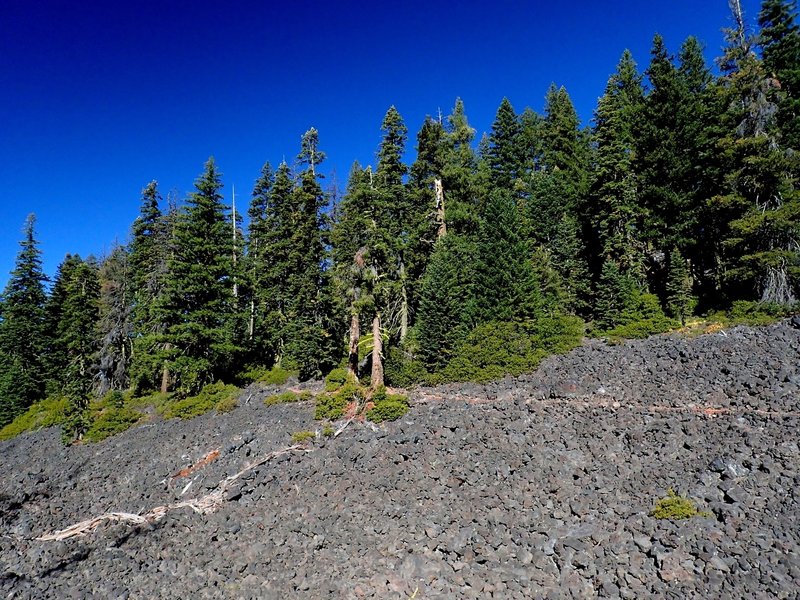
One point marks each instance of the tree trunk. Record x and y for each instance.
(165, 373)
(439, 191)
(352, 354)
(377, 352)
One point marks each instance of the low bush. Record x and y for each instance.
(273, 376)
(403, 370)
(301, 437)
(335, 379)
(111, 421)
(288, 396)
(387, 407)
(757, 313)
(643, 319)
(674, 507)
(46, 413)
(214, 396)
(332, 405)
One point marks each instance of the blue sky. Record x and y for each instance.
(99, 98)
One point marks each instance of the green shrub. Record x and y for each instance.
(402, 370)
(335, 379)
(273, 376)
(757, 313)
(214, 396)
(288, 396)
(157, 400)
(331, 406)
(387, 407)
(642, 319)
(301, 437)
(111, 421)
(46, 413)
(328, 430)
(675, 507)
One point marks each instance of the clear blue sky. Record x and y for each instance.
(99, 98)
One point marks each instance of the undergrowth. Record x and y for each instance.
(288, 396)
(674, 507)
(46, 413)
(215, 396)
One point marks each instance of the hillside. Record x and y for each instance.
(540, 486)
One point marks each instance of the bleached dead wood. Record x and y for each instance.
(204, 504)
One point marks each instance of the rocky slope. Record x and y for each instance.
(534, 487)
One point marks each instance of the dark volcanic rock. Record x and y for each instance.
(535, 487)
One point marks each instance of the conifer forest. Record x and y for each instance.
(476, 260)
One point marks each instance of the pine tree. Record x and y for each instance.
(506, 284)
(115, 324)
(504, 154)
(760, 204)
(615, 191)
(77, 336)
(56, 358)
(22, 330)
(151, 249)
(458, 174)
(200, 289)
(448, 310)
(350, 238)
(780, 44)
(307, 329)
(679, 288)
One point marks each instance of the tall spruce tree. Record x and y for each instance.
(115, 323)
(615, 191)
(780, 45)
(200, 290)
(151, 249)
(77, 337)
(22, 330)
(307, 330)
(462, 208)
(760, 202)
(504, 154)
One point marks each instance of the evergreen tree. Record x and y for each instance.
(780, 44)
(22, 330)
(115, 325)
(306, 330)
(506, 284)
(77, 337)
(151, 248)
(504, 154)
(200, 289)
(458, 174)
(56, 355)
(679, 288)
(760, 203)
(448, 310)
(619, 213)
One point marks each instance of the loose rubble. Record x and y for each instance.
(539, 486)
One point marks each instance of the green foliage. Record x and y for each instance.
(23, 336)
(675, 507)
(331, 406)
(387, 407)
(495, 349)
(403, 370)
(642, 318)
(288, 396)
(328, 431)
(335, 379)
(274, 376)
(743, 312)
(302, 437)
(214, 396)
(111, 420)
(50, 412)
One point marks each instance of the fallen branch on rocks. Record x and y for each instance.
(204, 505)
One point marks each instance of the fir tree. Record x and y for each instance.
(448, 310)
(77, 337)
(780, 44)
(503, 154)
(200, 289)
(679, 288)
(115, 326)
(22, 330)
(615, 189)
(458, 174)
